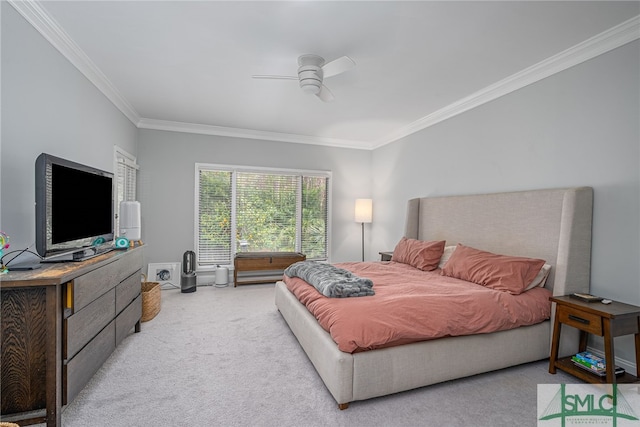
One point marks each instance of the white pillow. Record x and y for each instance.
(540, 279)
(448, 250)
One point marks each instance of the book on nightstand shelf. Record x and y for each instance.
(594, 364)
(590, 359)
(618, 371)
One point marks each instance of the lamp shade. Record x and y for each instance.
(364, 210)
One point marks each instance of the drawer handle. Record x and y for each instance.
(579, 319)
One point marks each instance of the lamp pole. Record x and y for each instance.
(363, 242)
(363, 214)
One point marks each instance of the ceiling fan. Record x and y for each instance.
(311, 72)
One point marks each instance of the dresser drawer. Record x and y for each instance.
(129, 265)
(128, 319)
(86, 323)
(580, 319)
(90, 286)
(78, 371)
(127, 291)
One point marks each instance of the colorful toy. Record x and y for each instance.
(4, 244)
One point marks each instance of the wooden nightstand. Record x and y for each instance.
(385, 256)
(605, 320)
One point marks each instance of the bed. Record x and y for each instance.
(550, 224)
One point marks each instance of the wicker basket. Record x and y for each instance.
(150, 300)
(6, 424)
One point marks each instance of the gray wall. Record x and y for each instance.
(167, 178)
(47, 106)
(578, 127)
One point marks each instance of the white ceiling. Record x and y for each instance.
(187, 65)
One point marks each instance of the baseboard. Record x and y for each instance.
(628, 366)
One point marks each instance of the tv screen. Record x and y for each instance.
(80, 204)
(74, 206)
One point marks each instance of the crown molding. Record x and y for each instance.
(606, 41)
(53, 32)
(166, 125)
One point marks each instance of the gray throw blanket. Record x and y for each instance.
(331, 281)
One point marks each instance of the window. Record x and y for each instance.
(260, 210)
(125, 182)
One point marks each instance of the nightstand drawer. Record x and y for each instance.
(582, 320)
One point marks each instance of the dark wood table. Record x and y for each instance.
(35, 306)
(262, 261)
(605, 320)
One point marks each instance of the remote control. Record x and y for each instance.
(606, 301)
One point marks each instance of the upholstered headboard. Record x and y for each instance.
(552, 224)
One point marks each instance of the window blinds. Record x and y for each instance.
(266, 212)
(126, 170)
(314, 217)
(214, 217)
(240, 210)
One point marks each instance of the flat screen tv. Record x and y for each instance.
(74, 210)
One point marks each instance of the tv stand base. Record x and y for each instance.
(79, 256)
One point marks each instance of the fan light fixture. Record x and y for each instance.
(311, 73)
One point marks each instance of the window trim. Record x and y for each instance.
(255, 169)
(122, 156)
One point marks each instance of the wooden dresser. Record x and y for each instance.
(60, 323)
(270, 264)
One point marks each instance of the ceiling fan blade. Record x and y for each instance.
(274, 77)
(338, 66)
(325, 94)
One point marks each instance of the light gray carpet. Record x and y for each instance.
(225, 357)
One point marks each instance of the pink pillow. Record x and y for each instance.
(418, 253)
(500, 272)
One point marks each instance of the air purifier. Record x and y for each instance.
(188, 276)
(222, 275)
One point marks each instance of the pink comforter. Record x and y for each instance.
(412, 305)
